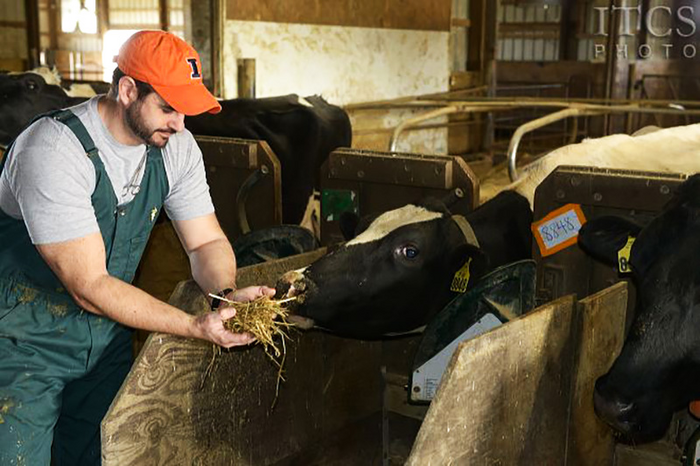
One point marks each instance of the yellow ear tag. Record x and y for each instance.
(623, 256)
(461, 278)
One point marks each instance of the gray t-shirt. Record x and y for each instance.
(48, 180)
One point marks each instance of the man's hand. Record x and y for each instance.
(251, 293)
(211, 324)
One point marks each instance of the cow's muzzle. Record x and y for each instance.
(614, 412)
(294, 284)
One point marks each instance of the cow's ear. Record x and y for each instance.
(348, 225)
(432, 204)
(603, 237)
(478, 260)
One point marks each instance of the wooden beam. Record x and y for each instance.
(137, 26)
(218, 20)
(642, 33)
(611, 58)
(529, 30)
(475, 41)
(460, 22)
(102, 16)
(163, 12)
(54, 24)
(524, 26)
(14, 24)
(31, 11)
(572, 15)
(427, 15)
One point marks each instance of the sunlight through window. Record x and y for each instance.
(79, 16)
(111, 42)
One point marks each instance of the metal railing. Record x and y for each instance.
(442, 105)
(584, 110)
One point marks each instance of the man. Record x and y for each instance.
(79, 193)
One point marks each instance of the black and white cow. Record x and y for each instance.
(397, 273)
(301, 132)
(658, 370)
(679, 145)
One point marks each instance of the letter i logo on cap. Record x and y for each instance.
(195, 69)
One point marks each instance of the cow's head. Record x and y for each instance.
(658, 370)
(24, 96)
(398, 272)
(389, 277)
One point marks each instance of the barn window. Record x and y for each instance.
(124, 17)
(111, 42)
(528, 30)
(78, 16)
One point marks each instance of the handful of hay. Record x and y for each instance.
(265, 318)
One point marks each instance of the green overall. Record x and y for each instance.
(61, 366)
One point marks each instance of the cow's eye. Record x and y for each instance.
(409, 252)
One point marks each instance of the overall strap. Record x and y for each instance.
(69, 119)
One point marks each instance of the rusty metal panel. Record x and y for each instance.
(635, 195)
(504, 398)
(229, 163)
(523, 393)
(372, 182)
(601, 330)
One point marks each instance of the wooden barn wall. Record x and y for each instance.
(344, 65)
(13, 35)
(560, 79)
(430, 15)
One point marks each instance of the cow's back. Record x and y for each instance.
(301, 132)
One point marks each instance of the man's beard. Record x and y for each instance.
(137, 126)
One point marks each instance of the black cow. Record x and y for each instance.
(658, 370)
(22, 97)
(302, 133)
(397, 274)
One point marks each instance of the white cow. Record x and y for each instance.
(675, 150)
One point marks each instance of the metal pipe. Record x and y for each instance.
(519, 102)
(242, 197)
(442, 97)
(574, 109)
(539, 123)
(393, 141)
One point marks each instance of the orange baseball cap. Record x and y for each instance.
(171, 66)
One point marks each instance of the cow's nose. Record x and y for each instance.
(291, 283)
(614, 411)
